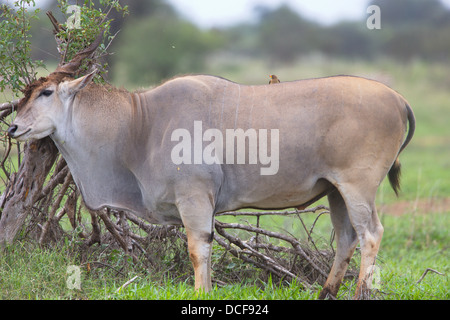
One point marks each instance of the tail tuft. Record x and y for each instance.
(394, 176)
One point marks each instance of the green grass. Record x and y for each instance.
(28, 272)
(182, 291)
(411, 244)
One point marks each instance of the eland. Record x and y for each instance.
(338, 137)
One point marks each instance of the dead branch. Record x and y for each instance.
(236, 253)
(126, 284)
(58, 177)
(267, 261)
(57, 203)
(272, 213)
(8, 150)
(112, 228)
(426, 272)
(104, 265)
(26, 187)
(294, 242)
(96, 231)
(288, 259)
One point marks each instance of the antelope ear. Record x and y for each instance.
(76, 85)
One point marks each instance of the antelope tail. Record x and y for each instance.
(395, 171)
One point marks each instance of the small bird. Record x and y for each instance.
(273, 79)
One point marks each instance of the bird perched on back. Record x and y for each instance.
(273, 79)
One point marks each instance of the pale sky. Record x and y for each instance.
(218, 13)
(210, 13)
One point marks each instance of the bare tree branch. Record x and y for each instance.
(426, 272)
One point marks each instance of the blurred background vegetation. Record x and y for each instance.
(156, 42)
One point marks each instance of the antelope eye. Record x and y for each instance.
(46, 92)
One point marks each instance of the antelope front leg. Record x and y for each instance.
(197, 217)
(199, 246)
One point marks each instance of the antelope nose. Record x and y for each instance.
(12, 130)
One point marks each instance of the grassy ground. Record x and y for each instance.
(416, 236)
(412, 243)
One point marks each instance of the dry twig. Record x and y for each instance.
(426, 272)
(126, 284)
(269, 258)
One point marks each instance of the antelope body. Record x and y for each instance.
(338, 137)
